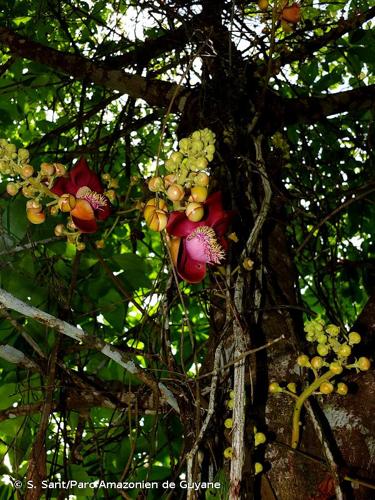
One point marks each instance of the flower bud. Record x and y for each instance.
(336, 367)
(198, 193)
(317, 362)
(342, 389)
(194, 211)
(363, 364)
(322, 350)
(228, 423)
(231, 394)
(176, 157)
(59, 230)
(175, 192)
(258, 468)
(201, 179)
(100, 243)
(113, 183)
(259, 438)
(27, 171)
(60, 169)
(111, 195)
(303, 360)
(184, 145)
(12, 188)
(70, 225)
(228, 453)
(34, 206)
(47, 169)
(156, 220)
(292, 387)
(201, 163)
(326, 387)
(155, 184)
(35, 217)
(66, 202)
(230, 404)
(106, 177)
(344, 350)
(23, 155)
(274, 387)
(169, 180)
(28, 191)
(247, 263)
(354, 338)
(154, 204)
(81, 246)
(333, 330)
(263, 5)
(54, 210)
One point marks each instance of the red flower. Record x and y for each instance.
(203, 242)
(91, 205)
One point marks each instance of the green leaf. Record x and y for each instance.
(134, 270)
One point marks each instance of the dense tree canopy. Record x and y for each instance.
(123, 358)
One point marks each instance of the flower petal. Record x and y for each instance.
(180, 225)
(85, 226)
(189, 269)
(83, 210)
(60, 187)
(81, 175)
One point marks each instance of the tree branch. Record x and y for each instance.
(313, 109)
(154, 47)
(91, 341)
(308, 47)
(155, 92)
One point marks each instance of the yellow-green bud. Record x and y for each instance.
(354, 338)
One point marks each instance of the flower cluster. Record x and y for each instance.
(289, 14)
(78, 192)
(334, 352)
(197, 224)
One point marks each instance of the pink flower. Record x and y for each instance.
(203, 242)
(91, 205)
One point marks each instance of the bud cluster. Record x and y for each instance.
(31, 184)
(334, 350)
(185, 183)
(259, 437)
